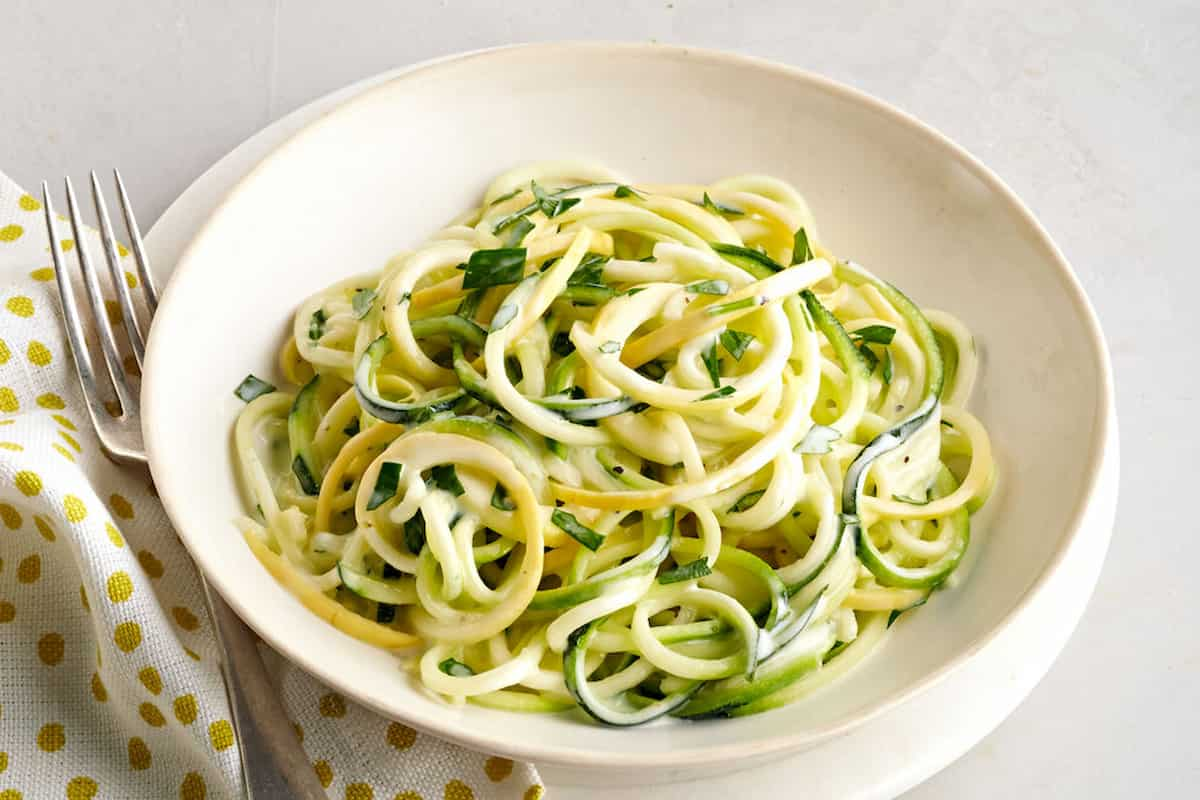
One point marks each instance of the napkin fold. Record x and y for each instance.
(109, 679)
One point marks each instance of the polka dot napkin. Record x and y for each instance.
(109, 683)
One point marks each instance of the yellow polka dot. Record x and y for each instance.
(10, 794)
(114, 535)
(8, 400)
(10, 233)
(10, 516)
(67, 245)
(220, 733)
(64, 452)
(98, 689)
(332, 705)
(139, 754)
(76, 510)
(83, 599)
(185, 619)
(30, 569)
(44, 528)
(534, 792)
(128, 635)
(131, 366)
(408, 796)
(120, 506)
(51, 648)
(299, 732)
(43, 274)
(150, 563)
(3, 761)
(69, 439)
(359, 791)
(81, 787)
(457, 790)
(152, 715)
(150, 679)
(66, 423)
(130, 279)
(400, 736)
(20, 305)
(120, 587)
(38, 354)
(193, 787)
(185, 709)
(16, 448)
(192, 654)
(52, 401)
(5, 353)
(51, 738)
(112, 309)
(8, 612)
(123, 251)
(30, 483)
(497, 769)
(28, 203)
(324, 773)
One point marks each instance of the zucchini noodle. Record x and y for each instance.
(633, 449)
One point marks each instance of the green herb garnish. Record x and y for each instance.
(456, 668)
(818, 441)
(445, 477)
(362, 301)
(252, 387)
(550, 205)
(736, 342)
(385, 613)
(887, 366)
(562, 345)
(634, 290)
(517, 233)
(500, 498)
(724, 391)
(576, 529)
(718, 287)
(735, 251)
(469, 306)
(414, 533)
(307, 483)
(719, 208)
(494, 267)
(505, 196)
(747, 501)
(875, 334)
(868, 356)
(385, 484)
(316, 325)
(734, 305)
(352, 427)
(801, 249)
(590, 271)
(687, 572)
(712, 364)
(628, 191)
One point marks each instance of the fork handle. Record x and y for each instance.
(274, 765)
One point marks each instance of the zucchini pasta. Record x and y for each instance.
(636, 449)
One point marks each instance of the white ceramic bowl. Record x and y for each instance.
(391, 165)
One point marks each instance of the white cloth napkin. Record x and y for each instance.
(109, 684)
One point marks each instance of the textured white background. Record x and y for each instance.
(1091, 111)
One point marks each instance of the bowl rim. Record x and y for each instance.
(444, 727)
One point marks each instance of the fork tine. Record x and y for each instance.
(66, 296)
(118, 277)
(108, 343)
(135, 242)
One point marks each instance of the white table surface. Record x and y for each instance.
(1091, 112)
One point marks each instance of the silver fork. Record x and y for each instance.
(273, 763)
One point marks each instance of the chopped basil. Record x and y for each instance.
(385, 613)
(385, 484)
(505, 196)
(557, 448)
(548, 205)
(875, 334)
(576, 529)
(252, 387)
(654, 370)
(316, 325)
(868, 356)
(801, 249)
(747, 501)
(818, 441)
(687, 572)
(718, 287)
(362, 301)
(307, 483)
(628, 191)
(634, 290)
(610, 347)
(912, 501)
(724, 391)
(469, 306)
(562, 345)
(736, 342)
(521, 227)
(500, 498)
(414, 533)
(712, 364)
(353, 427)
(590, 271)
(648, 259)
(734, 305)
(719, 208)
(456, 668)
(445, 477)
(494, 267)
(504, 315)
(736, 251)
(887, 366)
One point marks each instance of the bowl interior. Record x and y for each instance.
(385, 170)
